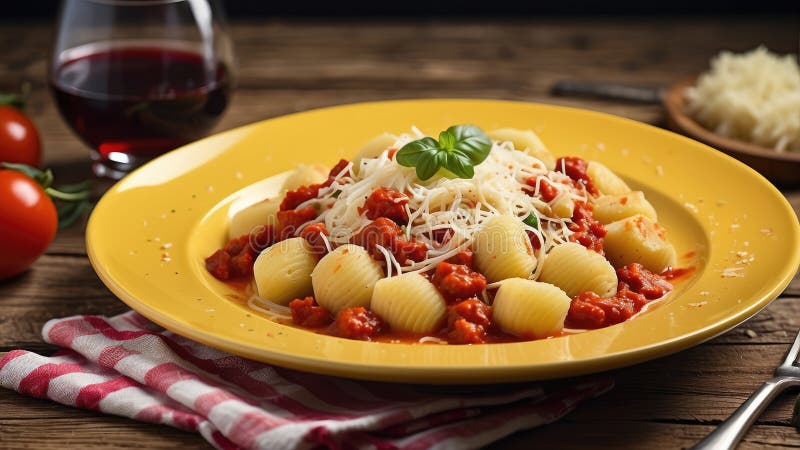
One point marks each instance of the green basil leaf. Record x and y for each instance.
(471, 142)
(447, 140)
(414, 151)
(427, 167)
(459, 165)
(459, 149)
(532, 220)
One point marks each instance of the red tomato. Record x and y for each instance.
(28, 222)
(19, 140)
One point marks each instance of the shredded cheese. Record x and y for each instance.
(459, 205)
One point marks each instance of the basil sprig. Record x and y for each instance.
(459, 149)
(531, 220)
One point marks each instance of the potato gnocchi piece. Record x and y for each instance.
(255, 216)
(639, 239)
(345, 278)
(503, 250)
(283, 271)
(530, 309)
(373, 149)
(576, 269)
(605, 180)
(409, 302)
(563, 206)
(305, 175)
(527, 141)
(610, 208)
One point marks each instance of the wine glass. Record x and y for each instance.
(137, 78)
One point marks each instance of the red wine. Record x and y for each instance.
(134, 103)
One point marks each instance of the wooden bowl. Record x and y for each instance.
(782, 168)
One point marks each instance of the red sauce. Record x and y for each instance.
(637, 287)
(642, 281)
(546, 188)
(357, 323)
(456, 281)
(293, 199)
(576, 168)
(535, 243)
(387, 234)
(306, 313)
(235, 260)
(672, 273)
(312, 233)
(441, 235)
(469, 322)
(336, 170)
(405, 251)
(463, 258)
(586, 230)
(291, 220)
(384, 202)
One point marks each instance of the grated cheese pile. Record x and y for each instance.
(752, 97)
(461, 205)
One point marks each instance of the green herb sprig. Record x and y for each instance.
(459, 149)
(531, 220)
(72, 200)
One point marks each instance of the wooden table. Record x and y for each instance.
(288, 66)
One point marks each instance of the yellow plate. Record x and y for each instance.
(148, 236)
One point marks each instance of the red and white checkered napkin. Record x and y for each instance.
(126, 365)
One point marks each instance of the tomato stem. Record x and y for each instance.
(68, 196)
(73, 198)
(17, 100)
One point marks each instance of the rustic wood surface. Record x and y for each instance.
(287, 66)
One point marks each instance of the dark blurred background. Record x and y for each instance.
(453, 8)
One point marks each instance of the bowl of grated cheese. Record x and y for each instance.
(746, 105)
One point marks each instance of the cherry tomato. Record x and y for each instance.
(19, 139)
(28, 222)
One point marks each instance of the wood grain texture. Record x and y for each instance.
(289, 66)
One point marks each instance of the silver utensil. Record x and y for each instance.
(727, 435)
(609, 91)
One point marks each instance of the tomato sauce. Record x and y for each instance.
(457, 281)
(235, 260)
(463, 258)
(306, 313)
(291, 220)
(637, 287)
(358, 323)
(587, 231)
(293, 199)
(336, 170)
(576, 168)
(312, 233)
(384, 202)
(674, 273)
(387, 234)
(547, 190)
(469, 322)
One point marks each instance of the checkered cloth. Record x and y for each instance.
(128, 366)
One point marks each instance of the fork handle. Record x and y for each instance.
(727, 435)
